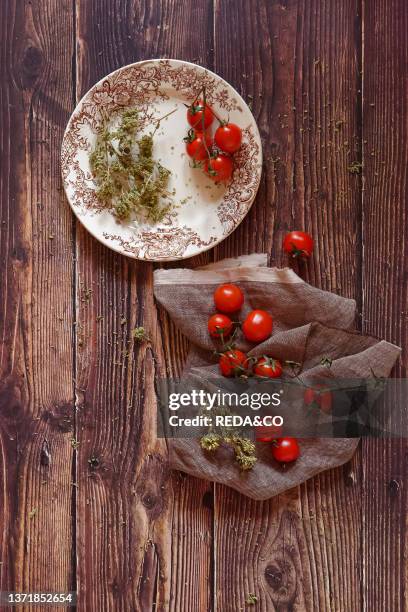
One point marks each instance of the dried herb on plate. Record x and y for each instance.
(129, 181)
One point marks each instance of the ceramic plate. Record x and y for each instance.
(205, 213)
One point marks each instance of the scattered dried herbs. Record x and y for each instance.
(86, 294)
(139, 334)
(251, 599)
(129, 181)
(355, 167)
(32, 513)
(93, 462)
(326, 361)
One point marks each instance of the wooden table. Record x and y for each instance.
(87, 501)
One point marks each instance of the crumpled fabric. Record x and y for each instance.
(309, 324)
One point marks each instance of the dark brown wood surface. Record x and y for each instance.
(385, 290)
(87, 502)
(36, 367)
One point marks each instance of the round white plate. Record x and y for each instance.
(207, 213)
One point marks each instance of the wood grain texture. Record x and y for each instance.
(300, 551)
(385, 290)
(144, 539)
(327, 83)
(36, 389)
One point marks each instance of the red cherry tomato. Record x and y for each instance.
(325, 402)
(200, 115)
(268, 367)
(233, 362)
(219, 168)
(228, 298)
(309, 396)
(298, 244)
(257, 327)
(228, 137)
(321, 396)
(267, 433)
(197, 145)
(285, 450)
(220, 326)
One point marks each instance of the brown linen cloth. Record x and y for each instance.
(308, 324)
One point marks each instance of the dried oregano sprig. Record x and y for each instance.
(210, 441)
(244, 448)
(129, 181)
(244, 451)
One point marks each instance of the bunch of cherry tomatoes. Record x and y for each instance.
(213, 154)
(257, 327)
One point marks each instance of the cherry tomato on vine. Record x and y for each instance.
(268, 367)
(233, 362)
(228, 137)
(285, 450)
(200, 115)
(257, 327)
(298, 244)
(228, 298)
(267, 433)
(198, 145)
(220, 326)
(321, 396)
(219, 168)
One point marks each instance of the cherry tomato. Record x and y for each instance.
(285, 450)
(200, 115)
(298, 244)
(219, 326)
(321, 396)
(233, 362)
(195, 146)
(228, 137)
(257, 327)
(268, 367)
(325, 402)
(219, 168)
(228, 298)
(267, 433)
(309, 396)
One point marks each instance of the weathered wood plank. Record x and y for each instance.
(385, 289)
(301, 550)
(144, 539)
(36, 389)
